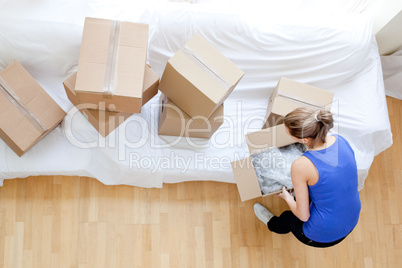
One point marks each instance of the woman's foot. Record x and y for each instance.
(262, 213)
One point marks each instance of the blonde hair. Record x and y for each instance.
(309, 123)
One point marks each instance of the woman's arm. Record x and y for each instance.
(301, 171)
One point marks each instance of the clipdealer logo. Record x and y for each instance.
(179, 163)
(136, 140)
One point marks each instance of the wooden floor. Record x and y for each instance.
(78, 222)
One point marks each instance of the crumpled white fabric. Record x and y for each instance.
(272, 167)
(331, 50)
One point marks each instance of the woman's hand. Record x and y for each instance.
(285, 194)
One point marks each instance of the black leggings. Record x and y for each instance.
(288, 222)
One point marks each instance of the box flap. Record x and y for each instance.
(246, 179)
(275, 136)
(302, 94)
(112, 54)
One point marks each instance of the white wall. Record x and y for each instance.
(383, 11)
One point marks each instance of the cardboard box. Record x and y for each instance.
(27, 112)
(198, 78)
(175, 122)
(243, 170)
(289, 95)
(106, 121)
(111, 64)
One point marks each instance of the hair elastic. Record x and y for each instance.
(315, 116)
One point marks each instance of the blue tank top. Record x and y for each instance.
(335, 203)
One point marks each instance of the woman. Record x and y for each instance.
(327, 174)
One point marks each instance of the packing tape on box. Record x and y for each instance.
(206, 67)
(109, 84)
(13, 98)
(300, 100)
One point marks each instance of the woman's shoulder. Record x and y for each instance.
(303, 166)
(304, 170)
(301, 162)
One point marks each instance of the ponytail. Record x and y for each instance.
(309, 123)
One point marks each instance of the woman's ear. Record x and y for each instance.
(306, 141)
